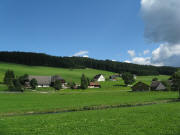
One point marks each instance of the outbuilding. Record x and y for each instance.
(140, 86)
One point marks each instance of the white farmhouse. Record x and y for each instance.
(99, 78)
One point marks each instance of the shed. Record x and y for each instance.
(157, 85)
(140, 86)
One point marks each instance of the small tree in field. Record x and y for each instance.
(176, 81)
(33, 83)
(9, 76)
(17, 85)
(84, 82)
(72, 85)
(23, 79)
(57, 85)
(128, 78)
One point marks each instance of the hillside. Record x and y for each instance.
(39, 59)
(67, 74)
(70, 75)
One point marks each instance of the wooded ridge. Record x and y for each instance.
(41, 59)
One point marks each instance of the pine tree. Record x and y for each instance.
(9, 76)
(84, 82)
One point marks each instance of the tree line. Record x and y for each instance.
(40, 59)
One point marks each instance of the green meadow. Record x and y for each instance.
(70, 75)
(161, 119)
(70, 112)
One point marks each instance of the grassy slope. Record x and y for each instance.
(162, 119)
(67, 74)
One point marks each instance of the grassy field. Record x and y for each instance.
(43, 102)
(161, 119)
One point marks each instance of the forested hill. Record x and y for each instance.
(39, 59)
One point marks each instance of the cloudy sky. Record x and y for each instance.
(136, 31)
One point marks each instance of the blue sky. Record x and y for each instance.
(106, 29)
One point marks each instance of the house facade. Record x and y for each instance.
(46, 81)
(94, 85)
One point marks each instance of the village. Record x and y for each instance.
(57, 82)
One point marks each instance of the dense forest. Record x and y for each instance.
(40, 59)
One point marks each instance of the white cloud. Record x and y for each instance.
(167, 55)
(162, 25)
(141, 60)
(146, 52)
(81, 53)
(131, 53)
(127, 61)
(85, 56)
(114, 60)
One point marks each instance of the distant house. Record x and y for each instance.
(46, 81)
(57, 77)
(134, 76)
(94, 85)
(157, 85)
(99, 78)
(113, 77)
(140, 86)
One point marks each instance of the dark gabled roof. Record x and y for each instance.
(140, 86)
(57, 77)
(41, 80)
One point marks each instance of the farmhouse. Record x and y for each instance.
(140, 86)
(113, 77)
(99, 78)
(157, 85)
(46, 81)
(94, 85)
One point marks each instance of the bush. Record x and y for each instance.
(57, 85)
(33, 83)
(23, 79)
(155, 79)
(72, 85)
(15, 85)
(167, 84)
(128, 78)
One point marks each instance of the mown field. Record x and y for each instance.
(32, 113)
(43, 102)
(161, 119)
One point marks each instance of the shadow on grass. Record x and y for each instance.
(171, 99)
